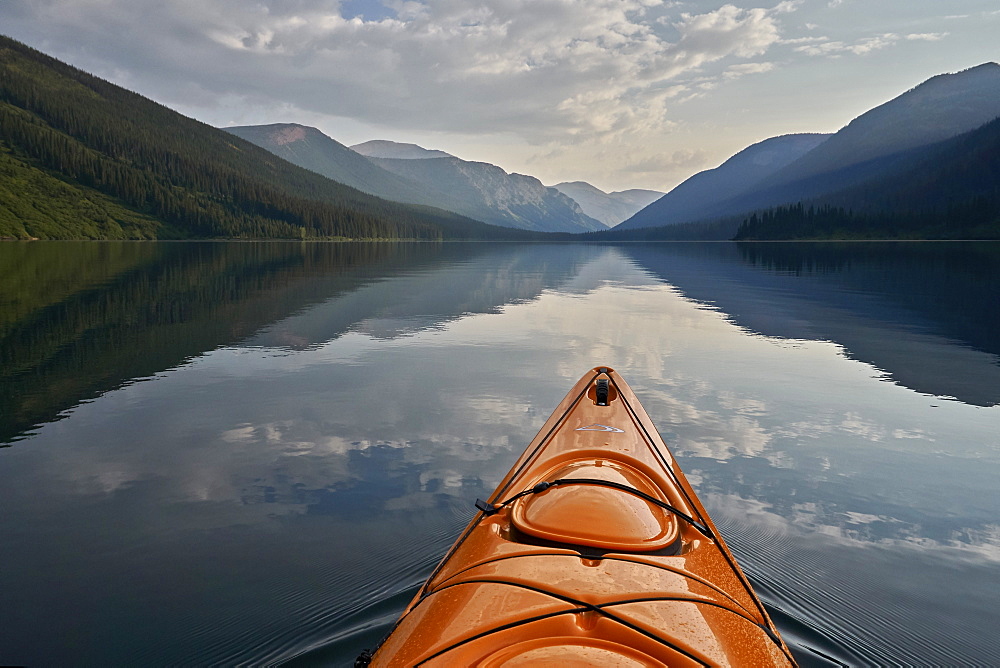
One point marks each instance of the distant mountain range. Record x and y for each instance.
(480, 190)
(412, 174)
(609, 208)
(689, 200)
(82, 158)
(308, 147)
(897, 162)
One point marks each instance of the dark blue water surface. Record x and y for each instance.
(226, 453)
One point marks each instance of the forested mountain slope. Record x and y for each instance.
(83, 158)
(941, 107)
(949, 190)
(884, 141)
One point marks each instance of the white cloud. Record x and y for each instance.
(826, 47)
(787, 6)
(540, 68)
(737, 71)
(927, 36)
(726, 31)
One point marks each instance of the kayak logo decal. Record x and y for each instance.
(601, 427)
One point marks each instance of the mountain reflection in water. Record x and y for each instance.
(924, 313)
(314, 422)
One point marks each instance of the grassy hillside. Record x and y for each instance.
(36, 204)
(82, 158)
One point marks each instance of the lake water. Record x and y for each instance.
(226, 453)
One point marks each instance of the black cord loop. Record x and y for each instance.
(491, 509)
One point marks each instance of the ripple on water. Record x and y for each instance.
(823, 601)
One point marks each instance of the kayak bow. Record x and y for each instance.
(592, 551)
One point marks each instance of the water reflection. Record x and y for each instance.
(81, 319)
(924, 313)
(317, 420)
(416, 299)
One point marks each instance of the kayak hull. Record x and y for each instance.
(593, 551)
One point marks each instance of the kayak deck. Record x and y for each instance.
(593, 551)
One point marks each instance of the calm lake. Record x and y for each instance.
(243, 453)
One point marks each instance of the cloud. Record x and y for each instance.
(737, 71)
(823, 46)
(827, 47)
(787, 6)
(726, 31)
(540, 68)
(927, 36)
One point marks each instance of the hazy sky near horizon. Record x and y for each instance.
(619, 93)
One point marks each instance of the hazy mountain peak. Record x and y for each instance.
(941, 107)
(776, 152)
(478, 190)
(580, 185)
(486, 192)
(308, 147)
(974, 75)
(744, 170)
(609, 208)
(382, 148)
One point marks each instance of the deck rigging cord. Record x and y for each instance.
(493, 509)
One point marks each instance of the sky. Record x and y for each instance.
(619, 93)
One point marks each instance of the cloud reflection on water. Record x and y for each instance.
(377, 414)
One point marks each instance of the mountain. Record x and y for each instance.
(308, 147)
(380, 148)
(690, 200)
(485, 192)
(608, 208)
(877, 143)
(882, 140)
(941, 107)
(82, 158)
(948, 190)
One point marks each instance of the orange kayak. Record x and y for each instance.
(592, 551)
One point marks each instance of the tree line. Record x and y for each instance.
(978, 218)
